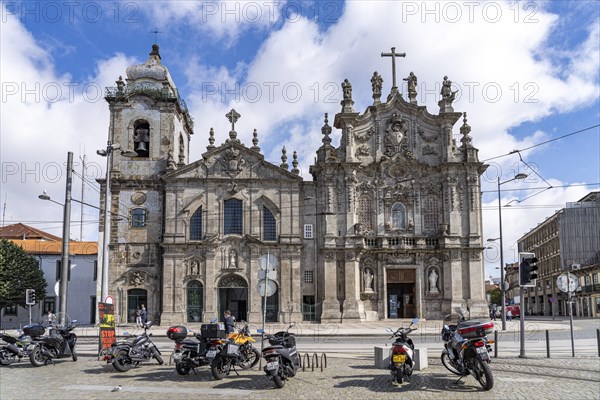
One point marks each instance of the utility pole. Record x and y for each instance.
(64, 268)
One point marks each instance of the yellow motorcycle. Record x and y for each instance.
(237, 353)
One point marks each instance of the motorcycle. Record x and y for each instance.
(238, 352)
(401, 360)
(190, 354)
(60, 343)
(466, 350)
(282, 360)
(15, 348)
(133, 350)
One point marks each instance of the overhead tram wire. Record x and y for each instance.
(543, 143)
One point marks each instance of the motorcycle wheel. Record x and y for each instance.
(250, 358)
(6, 357)
(399, 375)
(483, 373)
(219, 367)
(279, 381)
(158, 358)
(449, 364)
(182, 367)
(294, 369)
(74, 354)
(122, 361)
(37, 358)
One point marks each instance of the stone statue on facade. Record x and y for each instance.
(376, 84)
(347, 101)
(368, 279)
(411, 81)
(447, 96)
(433, 277)
(232, 259)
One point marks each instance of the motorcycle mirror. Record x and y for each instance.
(388, 329)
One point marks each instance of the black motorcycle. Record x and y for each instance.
(238, 352)
(15, 348)
(190, 354)
(281, 357)
(133, 351)
(466, 350)
(59, 343)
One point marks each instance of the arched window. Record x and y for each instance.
(399, 216)
(195, 300)
(196, 225)
(269, 225)
(232, 218)
(138, 218)
(430, 213)
(141, 138)
(365, 212)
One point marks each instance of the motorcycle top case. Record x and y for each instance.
(474, 329)
(34, 330)
(178, 332)
(213, 331)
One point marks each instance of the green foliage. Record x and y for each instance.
(495, 296)
(18, 271)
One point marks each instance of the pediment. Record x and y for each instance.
(234, 161)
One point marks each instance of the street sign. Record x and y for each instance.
(109, 300)
(567, 283)
(267, 286)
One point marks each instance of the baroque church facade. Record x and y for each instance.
(389, 227)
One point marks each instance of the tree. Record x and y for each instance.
(19, 271)
(495, 296)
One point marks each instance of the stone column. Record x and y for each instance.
(353, 305)
(210, 288)
(331, 305)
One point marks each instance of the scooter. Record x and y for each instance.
(466, 350)
(237, 353)
(60, 343)
(15, 348)
(402, 353)
(281, 357)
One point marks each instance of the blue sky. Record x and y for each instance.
(527, 72)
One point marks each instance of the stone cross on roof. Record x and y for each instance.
(233, 116)
(393, 54)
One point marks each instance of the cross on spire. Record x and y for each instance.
(233, 116)
(393, 54)
(156, 32)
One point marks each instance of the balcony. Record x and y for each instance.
(401, 243)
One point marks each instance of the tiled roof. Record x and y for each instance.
(22, 231)
(45, 247)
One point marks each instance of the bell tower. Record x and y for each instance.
(149, 117)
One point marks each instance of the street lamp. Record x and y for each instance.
(502, 284)
(110, 147)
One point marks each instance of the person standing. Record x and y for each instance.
(138, 317)
(143, 314)
(509, 315)
(229, 322)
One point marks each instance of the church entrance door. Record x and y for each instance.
(233, 296)
(400, 290)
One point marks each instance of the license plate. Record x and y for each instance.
(399, 358)
(211, 354)
(272, 365)
(483, 352)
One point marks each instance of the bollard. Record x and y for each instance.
(323, 363)
(495, 344)
(547, 343)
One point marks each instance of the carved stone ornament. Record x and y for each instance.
(400, 258)
(232, 162)
(365, 137)
(138, 198)
(136, 279)
(428, 139)
(395, 134)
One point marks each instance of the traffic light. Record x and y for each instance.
(30, 297)
(527, 269)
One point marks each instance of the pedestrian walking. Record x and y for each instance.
(143, 314)
(229, 322)
(138, 316)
